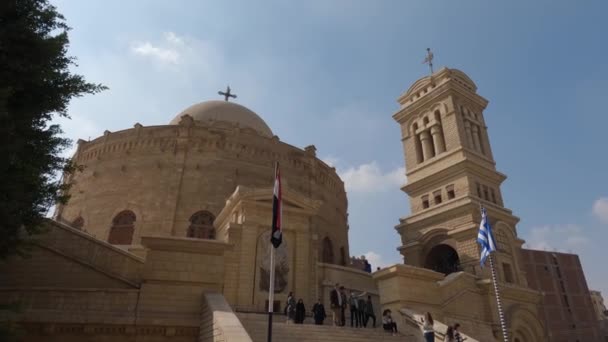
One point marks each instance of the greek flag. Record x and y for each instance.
(485, 238)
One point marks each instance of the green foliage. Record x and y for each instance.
(35, 85)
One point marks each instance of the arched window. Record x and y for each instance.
(502, 241)
(122, 229)
(417, 143)
(201, 226)
(328, 251)
(342, 256)
(78, 223)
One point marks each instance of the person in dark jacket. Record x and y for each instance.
(361, 310)
(300, 312)
(318, 311)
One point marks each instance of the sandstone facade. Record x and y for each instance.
(167, 229)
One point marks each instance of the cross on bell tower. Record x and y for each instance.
(429, 59)
(227, 94)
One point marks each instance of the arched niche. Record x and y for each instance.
(524, 325)
(442, 258)
(327, 255)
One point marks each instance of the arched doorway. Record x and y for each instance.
(443, 259)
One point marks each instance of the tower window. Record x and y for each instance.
(437, 197)
(450, 191)
(485, 193)
(493, 195)
(478, 190)
(506, 268)
(425, 120)
(328, 251)
(425, 202)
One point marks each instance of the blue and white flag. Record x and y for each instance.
(485, 238)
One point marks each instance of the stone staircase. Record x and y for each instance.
(256, 325)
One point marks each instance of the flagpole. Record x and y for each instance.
(501, 316)
(271, 293)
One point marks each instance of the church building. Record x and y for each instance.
(166, 235)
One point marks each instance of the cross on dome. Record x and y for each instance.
(227, 94)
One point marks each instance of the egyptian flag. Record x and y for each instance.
(277, 233)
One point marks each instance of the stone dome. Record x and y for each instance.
(225, 111)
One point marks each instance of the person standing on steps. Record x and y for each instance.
(449, 335)
(428, 329)
(290, 309)
(343, 307)
(387, 322)
(457, 336)
(369, 311)
(300, 312)
(361, 310)
(318, 312)
(354, 310)
(335, 301)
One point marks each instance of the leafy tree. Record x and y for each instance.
(36, 84)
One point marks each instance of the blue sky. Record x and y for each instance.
(328, 73)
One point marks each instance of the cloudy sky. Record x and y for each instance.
(328, 73)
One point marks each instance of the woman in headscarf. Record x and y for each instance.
(300, 312)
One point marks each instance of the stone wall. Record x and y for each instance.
(165, 174)
(79, 259)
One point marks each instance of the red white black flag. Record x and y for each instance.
(277, 233)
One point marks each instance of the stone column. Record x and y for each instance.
(436, 132)
(427, 149)
(476, 141)
(469, 138)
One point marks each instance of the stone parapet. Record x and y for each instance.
(218, 321)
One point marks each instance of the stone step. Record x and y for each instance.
(257, 327)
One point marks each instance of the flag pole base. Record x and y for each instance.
(269, 327)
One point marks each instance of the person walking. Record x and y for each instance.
(300, 312)
(335, 302)
(449, 335)
(387, 322)
(369, 311)
(318, 312)
(290, 309)
(457, 336)
(427, 328)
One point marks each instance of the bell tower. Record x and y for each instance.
(451, 172)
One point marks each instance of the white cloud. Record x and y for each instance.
(163, 55)
(565, 238)
(376, 260)
(182, 53)
(370, 178)
(331, 161)
(173, 38)
(600, 209)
